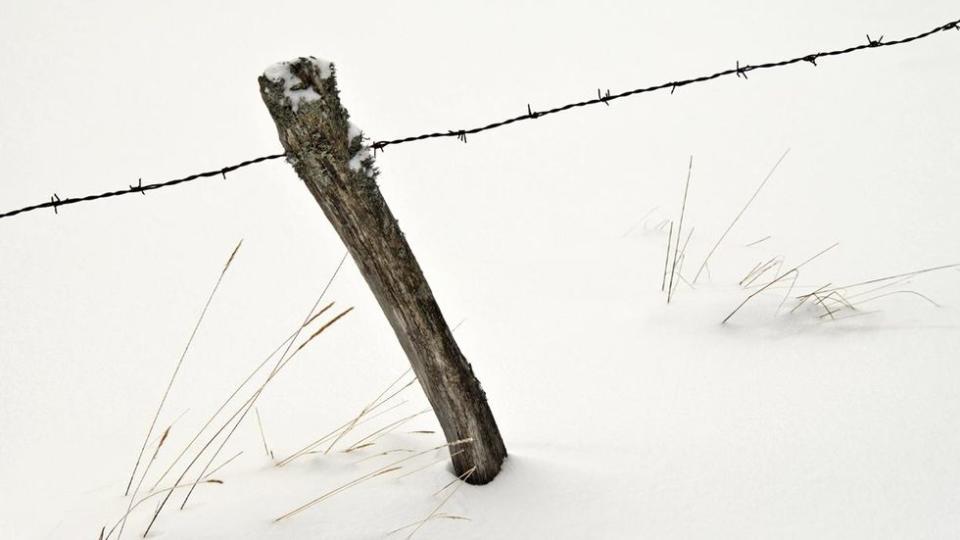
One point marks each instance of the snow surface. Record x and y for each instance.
(543, 241)
(280, 72)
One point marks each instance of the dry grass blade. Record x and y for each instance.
(384, 453)
(263, 436)
(683, 258)
(756, 242)
(148, 497)
(796, 275)
(334, 491)
(224, 464)
(836, 298)
(441, 515)
(395, 466)
(639, 222)
(793, 270)
(385, 430)
(462, 479)
(173, 377)
(739, 215)
(914, 293)
(803, 299)
(683, 209)
(431, 464)
(371, 406)
(308, 449)
(897, 283)
(666, 260)
(774, 262)
(324, 327)
(898, 276)
(750, 273)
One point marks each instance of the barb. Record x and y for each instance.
(739, 71)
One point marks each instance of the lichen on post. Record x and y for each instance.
(329, 155)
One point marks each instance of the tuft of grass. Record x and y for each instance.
(246, 406)
(166, 392)
(236, 391)
(840, 298)
(792, 271)
(173, 377)
(206, 480)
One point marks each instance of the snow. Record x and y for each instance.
(365, 152)
(624, 417)
(280, 72)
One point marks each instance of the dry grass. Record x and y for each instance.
(332, 492)
(439, 515)
(309, 449)
(245, 408)
(760, 241)
(248, 405)
(833, 300)
(676, 247)
(263, 436)
(666, 260)
(166, 392)
(369, 439)
(386, 469)
(792, 271)
(738, 216)
(431, 464)
(132, 507)
(462, 479)
(236, 391)
(173, 377)
(369, 407)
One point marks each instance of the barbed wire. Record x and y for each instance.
(607, 97)
(55, 201)
(740, 71)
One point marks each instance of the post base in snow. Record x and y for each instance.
(328, 153)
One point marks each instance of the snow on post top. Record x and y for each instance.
(295, 90)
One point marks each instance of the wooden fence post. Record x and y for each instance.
(328, 154)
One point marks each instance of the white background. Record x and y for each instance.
(624, 417)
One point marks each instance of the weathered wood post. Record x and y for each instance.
(327, 152)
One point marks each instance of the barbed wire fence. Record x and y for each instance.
(605, 97)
